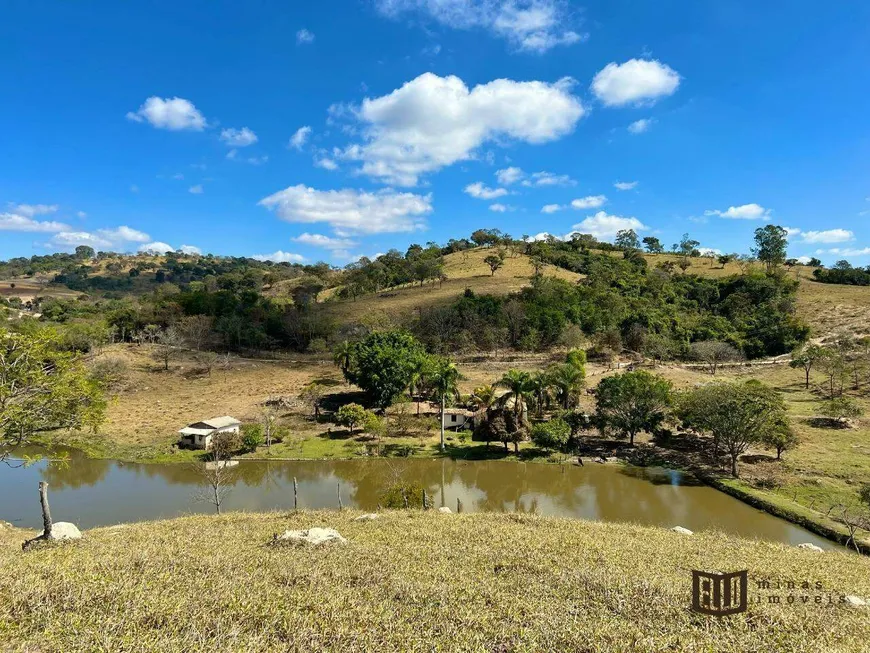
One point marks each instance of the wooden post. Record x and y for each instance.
(46, 512)
(458, 505)
(339, 497)
(425, 500)
(405, 498)
(295, 494)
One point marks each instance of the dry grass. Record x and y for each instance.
(465, 270)
(416, 582)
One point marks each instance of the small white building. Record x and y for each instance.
(457, 418)
(199, 434)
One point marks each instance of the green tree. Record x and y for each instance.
(519, 387)
(568, 380)
(494, 261)
(771, 242)
(443, 377)
(540, 391)
(43, 388)
(713, 353)
(383, 364)
(483, 396)
(552, 435)
(252, 436)
(653, 245)
(840, 409)
(805, 359)
(632, 402)
(577, 358)
(351, 416)
(627, 239)
(781, 439)
(737, 415)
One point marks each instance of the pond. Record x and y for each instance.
(103, 492)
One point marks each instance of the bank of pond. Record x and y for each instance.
(92, 492)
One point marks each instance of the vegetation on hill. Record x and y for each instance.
(412, 581)
(843, 273)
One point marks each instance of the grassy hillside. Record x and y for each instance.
(464, 270)
(416, 582)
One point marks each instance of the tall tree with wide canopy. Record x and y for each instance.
(383, 364)
(632, 402)
(43, 388)
(737, 415)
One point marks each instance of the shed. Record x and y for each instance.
(199, 434)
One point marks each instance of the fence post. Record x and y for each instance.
(295, 495)
(458, 505)
(339, 497)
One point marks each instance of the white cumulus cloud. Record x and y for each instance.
(156, 247)
(828, 236)
(500, 208)
(432, 122)
(16, 222)
(551, 208)
(864, 251)
(528, 25)
(640, 126)
(175, 114)
(743, 212)
(637, 81)
(481, 192)
(509, 176)
(326, 163)
(625, 185)
(300, 137)
(106, 239)
(589, 202)
(327, 242)
(190, 249)
(279, 257)
(604, 226)
(238, 137)
(32, 210)
(350, 210)
(548, 179)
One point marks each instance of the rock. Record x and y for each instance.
(855, 601)
(64, 530)
(681, 530)
(811, 547)
(315, 536)
(445, 510)
(369, 517)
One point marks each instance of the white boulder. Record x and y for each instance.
(315, 536)
(681, 530)
(445, 510)
(367, 517)
(811, 547)
(63, 530)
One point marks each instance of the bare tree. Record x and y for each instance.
(218, 474)
(196, 330)
(208, 359)
(713, 353)
(169, 345)
(46, 517)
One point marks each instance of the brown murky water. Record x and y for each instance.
(103, 492)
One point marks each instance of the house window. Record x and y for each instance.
(453, 418)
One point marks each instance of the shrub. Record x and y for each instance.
(252, 436)
(553, 435)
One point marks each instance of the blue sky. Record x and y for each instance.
(151, 124)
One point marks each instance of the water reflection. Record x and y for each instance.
(99, 492)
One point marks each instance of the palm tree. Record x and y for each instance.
(519, 386)
(443, 377)
(483, 397)
(418, 378)
(540, 385)
(568, 381)
(342, 356)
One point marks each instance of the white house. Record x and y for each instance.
(457, 418)
(199, 434)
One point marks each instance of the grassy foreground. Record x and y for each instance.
(414, 581)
